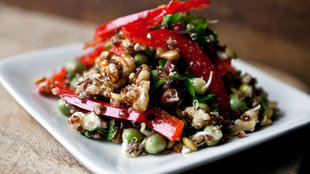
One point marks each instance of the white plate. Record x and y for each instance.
(18, 73)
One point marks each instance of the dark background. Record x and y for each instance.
(275, 32)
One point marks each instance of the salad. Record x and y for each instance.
(159, 81)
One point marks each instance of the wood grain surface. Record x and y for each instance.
(26, 147)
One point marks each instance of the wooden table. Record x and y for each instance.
(26, 147)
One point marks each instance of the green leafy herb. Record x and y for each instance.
(157, 84)
(189, 85)
(162, 64)
(102, 117)
(108, 46)
(90, 133)
(171, 19)
(71, 76)
(186, 125)
(155, 27)
(176, 76)
(203, 99)
(112, 130)
(263, 101)
(102, 108)
(149, 53)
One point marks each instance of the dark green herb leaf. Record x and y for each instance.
(176, 76)
(263, 101)
(155, 27)
(86, 133)
(108, 46)
(112, 130)
(162, 63)
(189, 85)
(186, 125)
(203, 99)
(157, 84)
(171, 19)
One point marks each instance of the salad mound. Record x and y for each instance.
(159, 81)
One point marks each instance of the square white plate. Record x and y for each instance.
(18, 73)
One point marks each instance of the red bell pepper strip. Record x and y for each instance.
(223, 66)
(68, 94)
(109, 28)
(149, 18)
(144, 25)
(89, 59)
(46, 86)
(198, 61)
(118, 49)
(165, 124)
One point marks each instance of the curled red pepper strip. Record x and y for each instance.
(164, 123)
(89, 59)
(109, 28)
(148, 18)
(199, 62)
(223, 66)
(46, 86)
(145, 24)
(68, 94)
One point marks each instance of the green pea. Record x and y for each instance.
(75, 81)
(63, 107)
(75, 66)
(247, 89)
(155, 144)
(190, 27)
(215, 134)
(268, 113)
(154, 75)
(230, 53)
(236, 103)
(199, 85)
(140, 59)
(132, 134)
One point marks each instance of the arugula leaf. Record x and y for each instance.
(112, 130)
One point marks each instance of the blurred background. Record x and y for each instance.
(274, 33)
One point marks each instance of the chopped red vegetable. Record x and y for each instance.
(69, 96)
(148, 18)
(198, 61)
(89, 59)
(46, 86)
(165, 124)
